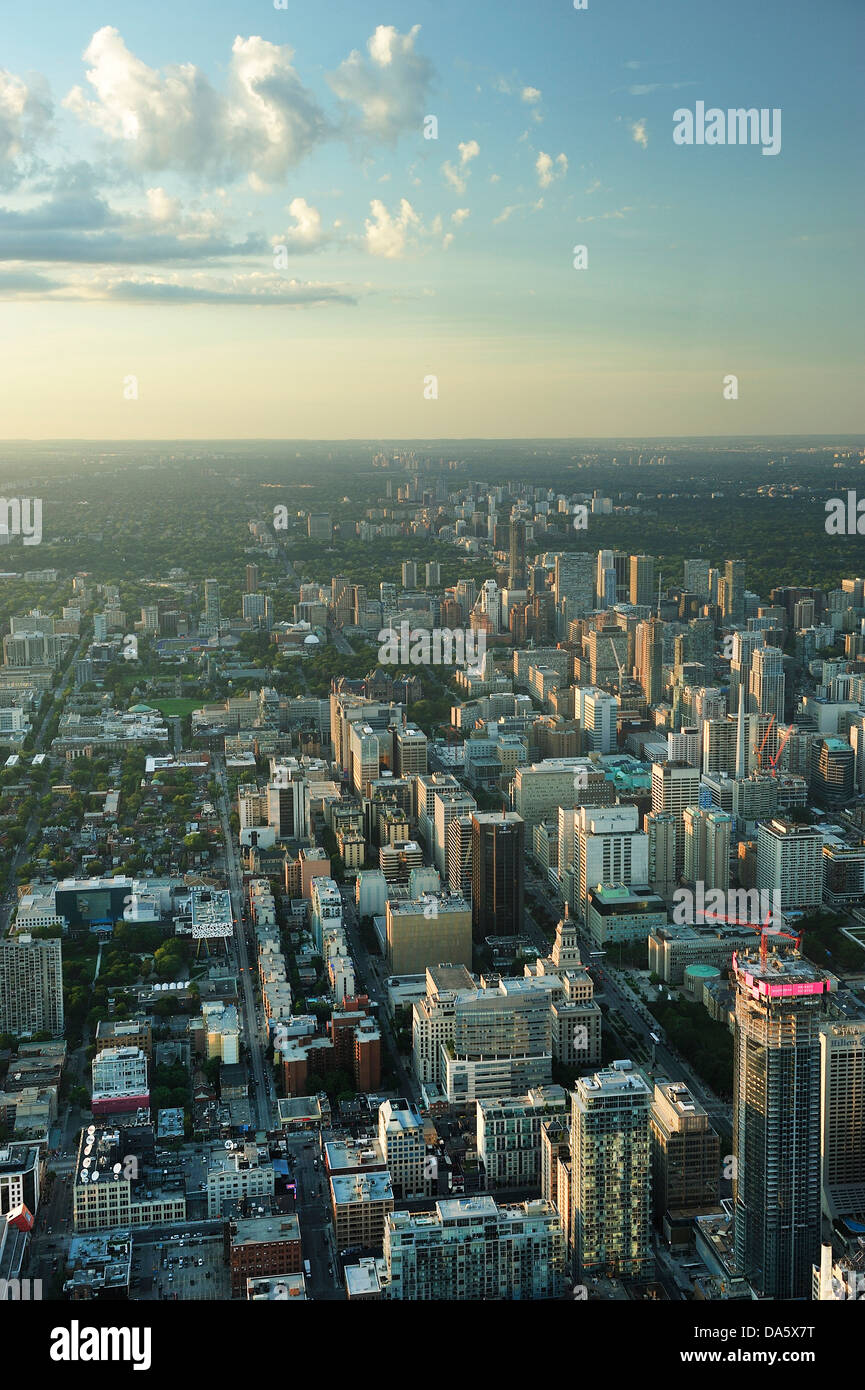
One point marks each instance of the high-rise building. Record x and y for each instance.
(675, 786)
(517, 578)
(707, 846)
(790, 862)
(642, 580)
(433, 574)
(575, 583)
(211, 604)
(780, 1004)
(608, 848)
(597, 711)
(472, 1249)
(319, 526)
(423, 931)
(31, 986)
(660, 826)
(842, 1118)
(509, 1134)
(834, 777)
(650, 658)
(611, 1174)
(252, 579)
(766, 686)
(696, 579)
(498, 873)
(734, 591)
(459, 865)
(401, 1136)
(256, 609)
(409, 574)
(685, 1152)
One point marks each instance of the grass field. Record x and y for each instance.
(181, 707)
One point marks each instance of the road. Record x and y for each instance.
(252, 1028)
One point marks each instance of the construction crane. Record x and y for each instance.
(773, 762)
(612, 643)
(759, 751)
(763, 928)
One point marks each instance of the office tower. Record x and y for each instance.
(605, 596)
(466, 592)
(150, 618)
(498, 870)
(459, 857)
(410, 745)
(597, 712)
(734, 591)
(607, 652)
(650, 658)
(255, 609)
(422, 931)
(472, 1249)
(660, 827)
(842, 1118)
(401, 1136)
(433, 574)
(31, 986)
(575, 583)
(685, 1153)
(287, 804)
(409, 574)
(611, 1174)
(766, 688)
(642, 580)
(834, 779)
(448, 805)
(517, 578)
(780, 1004)
(251, 579)
(319, 527)
(790, 862)
(683, 746)
(608, 848)
(707, 846)
(675, 786)
(696, 579)
(211, 604)
(744, 645)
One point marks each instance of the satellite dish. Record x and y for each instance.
(117, 1168)
(94, 1177)
(228, 1144)
(85, 1176)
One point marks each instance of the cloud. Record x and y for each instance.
(549, 169)
(388, 87)
(264, 290)
(617, 214)
(507, 212)
(265, 122)
(25, 113)
(75, 223)
(457, 178)
(307, 233)
(460, 216)
(531, 95)
(388, 236)
(638, 133)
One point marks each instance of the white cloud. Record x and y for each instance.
(460, 216)
(306, 234)
(25, 112)
(388, 235)
(531, 95)
(389, 87)
(638, 133)
(265, 123)
(549, 169)
(457, 177)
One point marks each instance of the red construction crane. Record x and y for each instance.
(762, 927)
(773, 762)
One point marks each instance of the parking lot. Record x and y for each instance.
(189, 1267)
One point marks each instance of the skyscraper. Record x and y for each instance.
(498, 873)
(642, 575)
(766, 686)
(707, 846)
(211, 604)
(697, 578)
(251, 578)
(575, 582)
(611, 1174)
(517, 569)
(409, 574)
(780, 1004)
(675, 786)
(842, 1118)
(790, 862)
(734, 591)
(650, 658)
(31, 986)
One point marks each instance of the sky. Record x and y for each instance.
(228, 219)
